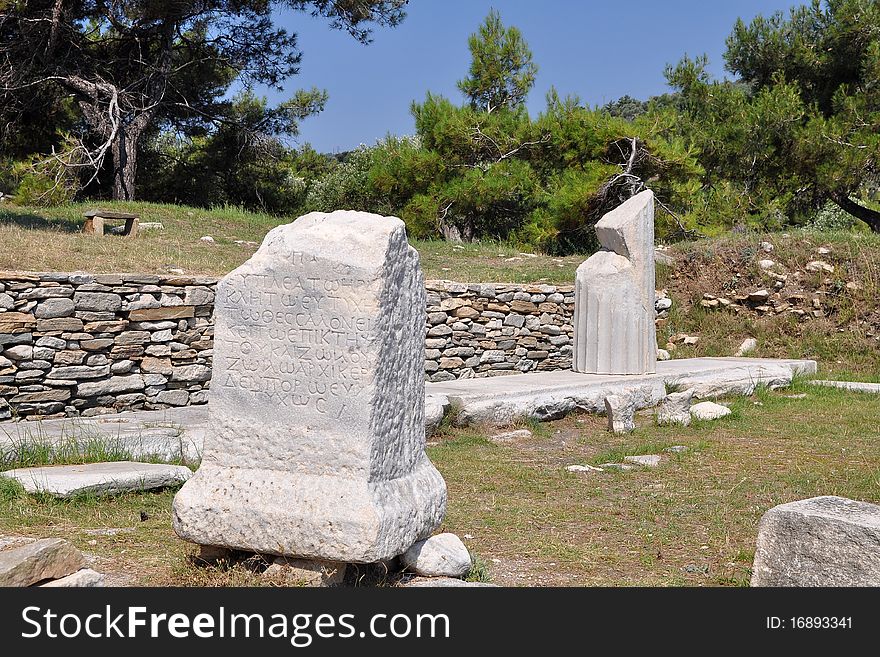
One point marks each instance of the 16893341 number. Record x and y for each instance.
(810, 623)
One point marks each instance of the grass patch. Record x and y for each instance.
(690, 521)
(52, 240)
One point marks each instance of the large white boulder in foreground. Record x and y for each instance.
(821, 541)
(614, 330)
(315, 444)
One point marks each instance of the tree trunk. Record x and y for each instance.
(869, 216)
(124, 164)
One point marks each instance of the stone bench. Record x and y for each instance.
(95, 219)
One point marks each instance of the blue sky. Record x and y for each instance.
(597, 50)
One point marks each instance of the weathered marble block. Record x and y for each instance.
(614, 295)
(315, 446)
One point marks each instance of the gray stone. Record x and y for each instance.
(173, 397)
(81, 578)
(614, 294)
(54, 308)
(443, 555)
(645, 460)
(98, 478)
(97, 301)
(113, 385)
(621, 411)
(709, 411)
(47, 292)
(189, 373)
(53, 343)
(48, 558)
(78, 372)
(675, 409)
(198, 296)
(821, 541)
(6, 302)
(287, 441)
(676, 449)
(19, 352)
(305, 572)
(624, 467)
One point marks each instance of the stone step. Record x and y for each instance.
(98, 478)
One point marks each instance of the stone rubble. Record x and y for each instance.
(442, 555)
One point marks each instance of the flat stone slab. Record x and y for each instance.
(173, 434)
(98, 478)
(646, 460)
(855, 386)
(423, 582)
(552, 395)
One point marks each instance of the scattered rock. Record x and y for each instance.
(766, 264)
(662, 354)
(709, 411)
(821, 541)
(817, 266)
(583, 468)
(48, 558)
(151, 225)
(663, 303)
(207, 239)
(510, 436)
(675, 409)
(305, 572)
(823, 250)
(748, 345)
(691, 340)
(767, 247)
(759, 296)
(443, 555)
(621, 410)
(81, 578)
(676, 449)
(645, 460)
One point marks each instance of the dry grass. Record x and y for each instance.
(49, 239)
(692, 521)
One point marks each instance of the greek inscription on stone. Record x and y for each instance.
(297, 341)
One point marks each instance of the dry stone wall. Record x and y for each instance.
(85, 344)
(492, 329)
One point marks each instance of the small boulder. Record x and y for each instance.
(819, 266)
(645, 460)
(443, 555)
(821, 541)
(675, 409)
(748, 345)
(709, 411)
(766, 264)
(621, 410)
(662, 354)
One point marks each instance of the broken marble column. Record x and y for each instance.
(316, 435)
(614, 295)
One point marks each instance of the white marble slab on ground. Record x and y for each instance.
(552, 395)
(98, 478)
(174, 434)
(855, 386)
